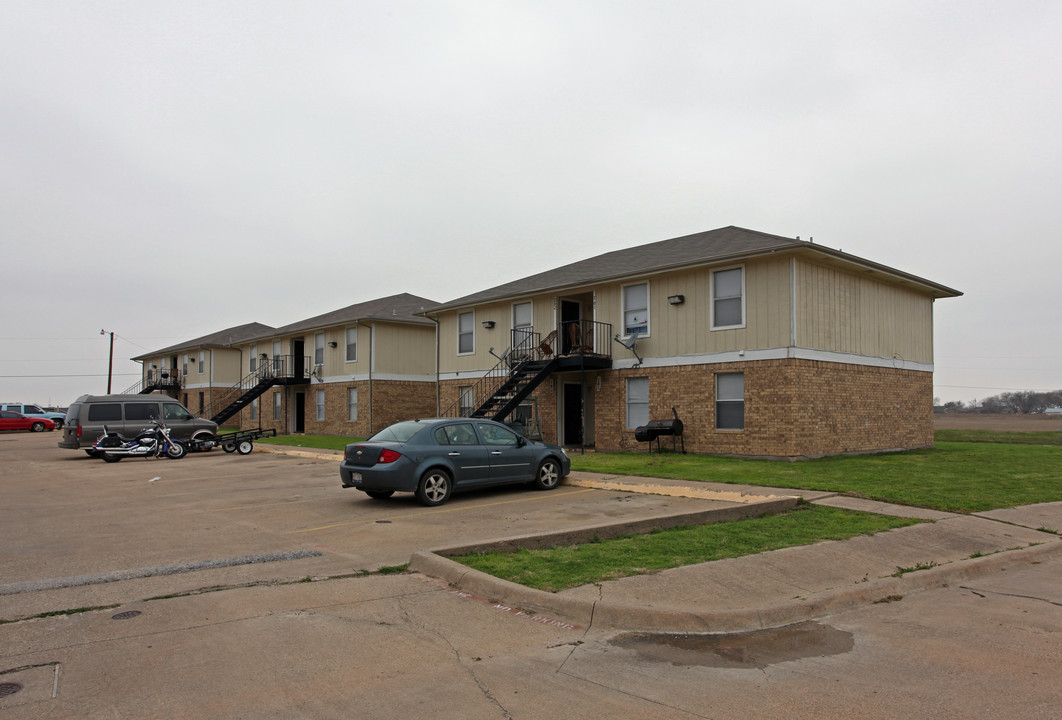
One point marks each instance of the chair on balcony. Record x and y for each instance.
(546, 346)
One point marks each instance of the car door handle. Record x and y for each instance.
(454, 454)
(495, 452)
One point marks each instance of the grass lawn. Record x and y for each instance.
(317, 442)
(956, 477)
(996, 436)
(563, 567)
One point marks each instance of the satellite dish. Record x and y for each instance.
(627, 341)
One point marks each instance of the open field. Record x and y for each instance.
(998, 423)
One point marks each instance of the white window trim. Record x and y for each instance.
(352, 407)
(719, 401)
(320, 405)
(648, 310)
(627, 401)
(711, 298)
(319, 338)
(473, 350)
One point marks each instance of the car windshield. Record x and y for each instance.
(399, 432)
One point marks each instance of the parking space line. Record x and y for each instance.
(436, 511)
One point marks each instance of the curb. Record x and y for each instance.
(605, 615)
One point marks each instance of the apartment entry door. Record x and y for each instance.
(572, 412)
(300, 412)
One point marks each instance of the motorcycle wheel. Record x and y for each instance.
(108, 457)
(176, 451)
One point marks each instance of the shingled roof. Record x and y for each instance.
(710, 247)
(221, 338)
(401, 308)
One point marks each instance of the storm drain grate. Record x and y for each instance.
(9, 688)
(125, 615)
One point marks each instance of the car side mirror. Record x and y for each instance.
(521, 441)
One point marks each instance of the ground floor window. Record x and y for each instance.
(637, 402)
(730, 401)
(202, 403)
(320, 404)
(466, 395)
(278, 406)
(254, 409)
(352, 403)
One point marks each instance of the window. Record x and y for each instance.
(173, 411)
(352, 344)
(254, 409)
(497, 435)
(636, 309)
(467, 397)
(141, 411)
(278, 406)
(184, 365)
(637, 402)
(202, 362)
(352, 403)
(318, 349)
(105, 412)
(202, 399)
(253, 359)
(730, 401)
(466, 333)
(461, 434)
(278, 360)
(320, 404)
(728, 292)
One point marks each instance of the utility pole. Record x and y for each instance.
(110, 360)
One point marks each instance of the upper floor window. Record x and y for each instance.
(202, 362)
(466, 333)
(352, 344)
(522, 324)
(253, 359)
(728, 298)
(636, 309)
(318, 349)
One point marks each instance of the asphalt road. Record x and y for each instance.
(196, 610)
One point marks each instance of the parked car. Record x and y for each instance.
(35, 411)
(127, 415)
(434, 458)
(10, 420)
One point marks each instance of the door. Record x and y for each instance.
(461, 447)
(573, 414)
(510, 457)
(571, 314)
(298, 360)
(300, 412)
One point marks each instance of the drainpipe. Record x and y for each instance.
(438, 378)
(372, 366)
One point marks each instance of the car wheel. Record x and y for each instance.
(58, 424)
(244, 447)
(107, 457)
(379, 494)
(37, 427)
(176, 450)
(434, 488)
(549, 474)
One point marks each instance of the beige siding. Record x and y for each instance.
(842, 312)
(226, 366)
(402, 349)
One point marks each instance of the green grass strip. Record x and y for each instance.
(954, 477)
(996, 436)
(557, 568)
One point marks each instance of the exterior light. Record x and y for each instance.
(676, 299)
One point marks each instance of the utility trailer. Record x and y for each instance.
(239, 441)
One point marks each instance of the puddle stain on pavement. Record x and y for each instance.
(744, 650)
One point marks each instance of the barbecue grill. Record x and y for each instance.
(661, 428)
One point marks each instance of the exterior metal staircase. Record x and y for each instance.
(280, 370)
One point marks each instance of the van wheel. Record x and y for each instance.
(202, 436)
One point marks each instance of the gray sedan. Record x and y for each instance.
(434, 458)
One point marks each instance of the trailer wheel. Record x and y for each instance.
(244, 447)
(229, 447)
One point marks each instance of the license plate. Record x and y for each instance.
(356, 477)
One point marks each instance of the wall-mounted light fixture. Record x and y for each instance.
(332, 344)
(488, 324)
(676, 299)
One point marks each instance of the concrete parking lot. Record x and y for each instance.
(185, 578)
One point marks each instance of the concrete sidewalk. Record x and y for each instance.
(782, 586)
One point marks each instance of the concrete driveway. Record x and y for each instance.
(155, 645)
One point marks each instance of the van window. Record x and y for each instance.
(141, 411)
(72, 413)
(105, 412)
(173, 411)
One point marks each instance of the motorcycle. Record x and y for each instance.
(150, 442)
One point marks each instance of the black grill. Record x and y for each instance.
(657, 429)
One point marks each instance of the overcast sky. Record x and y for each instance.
(169, 169)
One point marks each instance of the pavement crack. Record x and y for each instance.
(985, 593)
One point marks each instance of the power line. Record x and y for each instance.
(72, 376)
